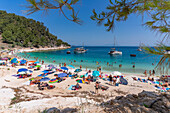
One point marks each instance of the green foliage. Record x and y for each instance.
(37, 5)
(161, 50)
(120, 10)
(20, 31)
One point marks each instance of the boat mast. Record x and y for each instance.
(114, 41)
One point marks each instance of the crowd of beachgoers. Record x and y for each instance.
(63, 79)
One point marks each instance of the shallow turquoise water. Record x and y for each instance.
(142, 60)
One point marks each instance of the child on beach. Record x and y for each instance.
(96, 87)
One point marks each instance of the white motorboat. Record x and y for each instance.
(114, 52)
(80, 50)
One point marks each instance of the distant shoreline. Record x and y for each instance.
(43, 49)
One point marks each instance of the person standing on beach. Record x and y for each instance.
(64, 64)
(42, 62)
(153, 72)
(150, 72)
(110, 78)
(88, 78)
(59, 64)
(145, 73)
(100, 69)
(96, 87)
(107, 63)
(80, 66)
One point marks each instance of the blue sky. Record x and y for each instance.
(129, 33)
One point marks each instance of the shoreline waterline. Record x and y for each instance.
(93, 55)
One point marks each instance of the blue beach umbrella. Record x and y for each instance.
(22, 70)
(45, 71)
(62, 75)
(96, 73)
(44, 79)
(71, 66)
(36, 62)
(64, 68)
(14, 60)
(23, 61)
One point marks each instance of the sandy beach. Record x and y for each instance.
(16, 96)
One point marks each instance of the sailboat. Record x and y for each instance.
(80, 50)
(113, 51)
(139, 49)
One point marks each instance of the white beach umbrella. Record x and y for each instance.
(116, 73)
(22, 72)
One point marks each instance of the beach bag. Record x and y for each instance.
(123, 81)
(117, 84)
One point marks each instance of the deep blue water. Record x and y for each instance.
(142, 60)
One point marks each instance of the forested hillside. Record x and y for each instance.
(20, 31)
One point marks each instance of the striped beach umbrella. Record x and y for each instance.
(80, 81)
(53, 81)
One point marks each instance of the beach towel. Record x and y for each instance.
(70, 88)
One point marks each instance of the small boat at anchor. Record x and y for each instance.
(68, 52)
(132, 55)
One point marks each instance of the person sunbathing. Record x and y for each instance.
(165, 84)
(150, 79)
(134, 78)
(78, 86)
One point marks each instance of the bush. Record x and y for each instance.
(2, 47)
(13, 45)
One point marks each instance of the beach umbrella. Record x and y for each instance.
(116, 73)
(78, 70)
(80, 81)
(64, 68)
(45, 71)
(21, 73)
(23, 61)
(32, 61)
(22, 69)
(14, 60)
(71, 66)
(31, 79)
(38, 66)
(36, 62)
(53, 80)
(62, 75)
(29, 72)
(44, 79)
(96, 73)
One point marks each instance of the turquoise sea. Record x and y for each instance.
(142, 61)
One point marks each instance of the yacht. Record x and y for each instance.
(113, 51)
(80, 50)
(139, 49)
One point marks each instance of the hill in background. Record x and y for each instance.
(19, 31)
